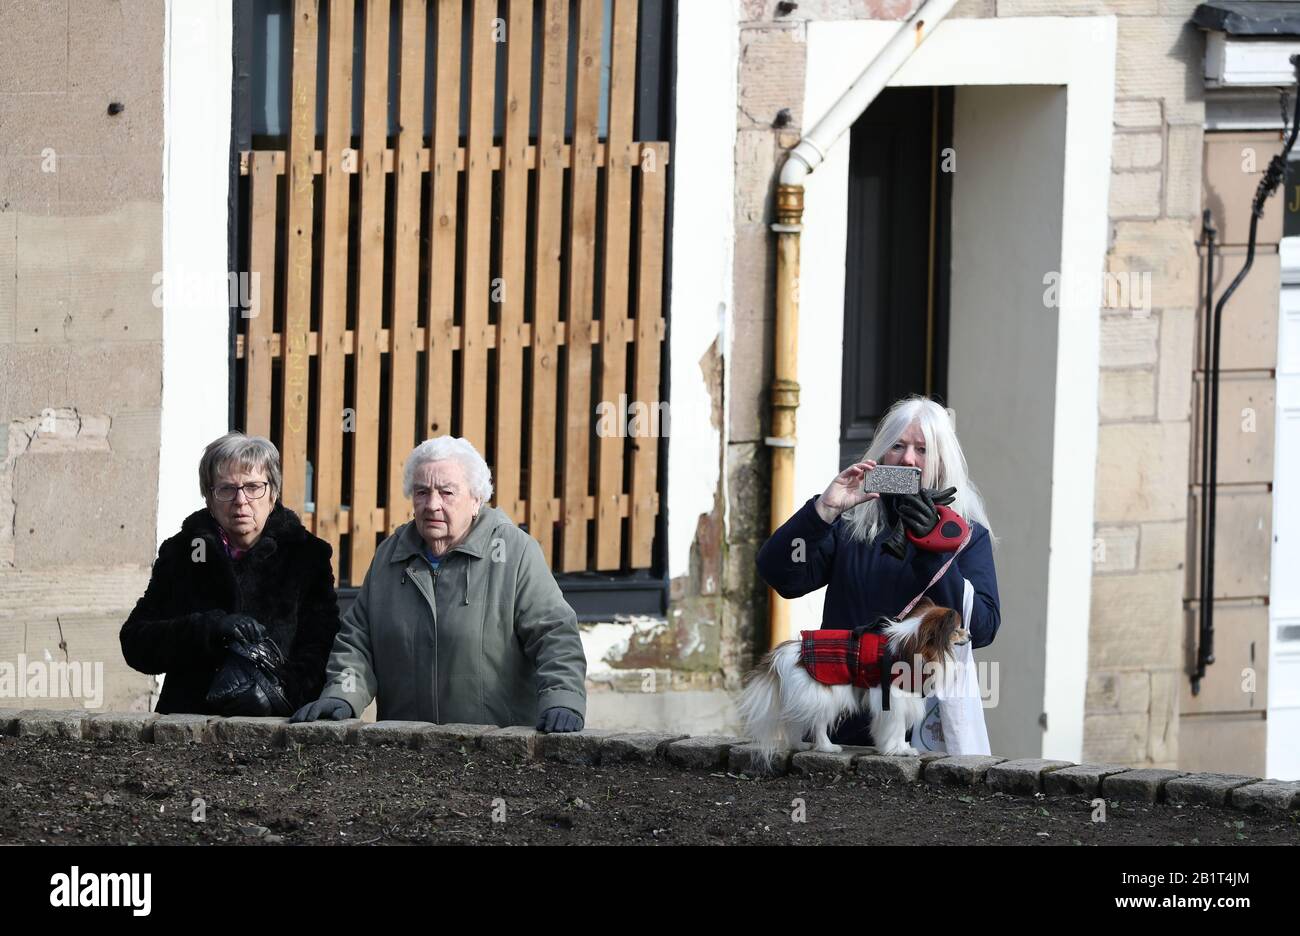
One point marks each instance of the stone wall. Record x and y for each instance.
(81, 141)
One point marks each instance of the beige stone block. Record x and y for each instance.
(1137, 151)
(772, 66)
(1162, 738)
(1161, 58)
(1163, 546)
(83, 505)
(1223, 744)
(1167, 250)
(1174, 384)
(1129, 341)
(109, 181)
(1127, 394)
(1183, 171)
(1246, 416)
(1243, 540)
(1114, 549)
(1142, 472)
(135, 432)
(1116, 739)
(25, 187)
(128, 238)
(116, 44)
(1135, 194)
(974, 9)
(1138, 114)
(1248, 330)
(1076, 7)
(1234, 164)
(68, 124)
(1137, 621)
(1124, 692)
(751, 377)
(111, 306)
(755, 172)
(766, 10)
(1237, 680)
(8, 271)
(89, 638)
(86, 591)
(34, 53)
(94, 379)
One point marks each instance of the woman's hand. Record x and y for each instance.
(845, 491)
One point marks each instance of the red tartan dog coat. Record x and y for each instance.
(840, 658)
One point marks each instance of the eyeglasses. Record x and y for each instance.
(253, 490)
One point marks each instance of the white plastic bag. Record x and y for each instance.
(953, 722)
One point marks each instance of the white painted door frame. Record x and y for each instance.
(1282, 755)
(1077, 53)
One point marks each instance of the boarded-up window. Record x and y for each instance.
(454, 214)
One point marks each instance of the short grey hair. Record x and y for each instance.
(243, 452)
(443, 448)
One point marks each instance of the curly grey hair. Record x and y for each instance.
(477, 472)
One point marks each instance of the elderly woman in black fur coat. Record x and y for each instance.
(242, 569)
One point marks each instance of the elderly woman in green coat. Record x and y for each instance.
(458, 619)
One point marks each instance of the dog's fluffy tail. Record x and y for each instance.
(761, 704)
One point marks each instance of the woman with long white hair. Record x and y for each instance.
(857, 545)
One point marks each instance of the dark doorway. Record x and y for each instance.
(896, 261)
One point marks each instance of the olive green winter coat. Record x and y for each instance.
(486, 639)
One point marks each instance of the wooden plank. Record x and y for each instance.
(618, 209)
(348, 518)
(261, 255)
(560, 336)
(406, 260)
(649, 311)
(547, 221)
(442, 218)
(494, 159)
(476, 261)
(514, 246)
(370, 290)
(328, 473)
(580, 287)
(302, 133)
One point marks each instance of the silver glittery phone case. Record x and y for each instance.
(892, 479)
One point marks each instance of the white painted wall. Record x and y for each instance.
(196, 322)
(1077, 54)
(703, 236)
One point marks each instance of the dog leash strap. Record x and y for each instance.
(938, 575)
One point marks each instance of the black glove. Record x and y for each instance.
(234, 627)
(558, 719)
(337, 709)
(896, 543)
(918, 511)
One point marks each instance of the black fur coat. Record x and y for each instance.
(285, 581)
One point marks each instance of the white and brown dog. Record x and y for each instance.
(814, 683)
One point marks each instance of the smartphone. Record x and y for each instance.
(892, 479)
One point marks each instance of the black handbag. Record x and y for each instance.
(250, 681)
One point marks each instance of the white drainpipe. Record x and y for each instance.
(816, 143)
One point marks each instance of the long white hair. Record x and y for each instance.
(945, 465)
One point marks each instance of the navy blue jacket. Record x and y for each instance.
(863, 581)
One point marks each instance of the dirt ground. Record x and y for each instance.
(128, 793)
